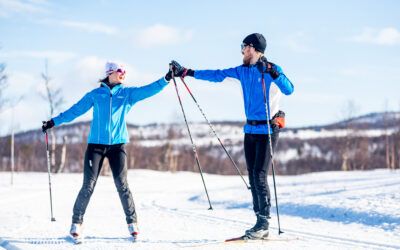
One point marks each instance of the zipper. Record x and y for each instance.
(98, 125)
(109, 126)
(250, 77)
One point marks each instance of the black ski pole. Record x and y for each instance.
(48, 171)
(215, 133)
(191, 140)
(271, 153)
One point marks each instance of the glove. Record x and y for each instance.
(262, 64)
(177, 69)
(267, 67)
(47, 125)
(279, 119)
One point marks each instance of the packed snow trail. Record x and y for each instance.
(331, 210)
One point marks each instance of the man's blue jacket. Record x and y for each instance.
(251, 81)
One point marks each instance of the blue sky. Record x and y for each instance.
(334, 52)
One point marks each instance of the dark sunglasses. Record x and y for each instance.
(244, 45)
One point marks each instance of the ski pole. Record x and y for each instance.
(48, 171)
(271, 153)
(191, 139)
(215, 133)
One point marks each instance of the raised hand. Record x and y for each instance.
(177, 69)
(267, 67)
(47, 125)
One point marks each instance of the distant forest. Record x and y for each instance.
(354, 151)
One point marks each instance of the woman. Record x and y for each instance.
(111, 101)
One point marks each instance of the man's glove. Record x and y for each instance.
(179, 71)
(177, 68)
(279, 119)
(267, 67)
(47, 125)
(262, 64)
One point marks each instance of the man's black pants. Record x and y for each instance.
(258, 159)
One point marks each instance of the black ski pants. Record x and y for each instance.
(94, 157)
(258, 159)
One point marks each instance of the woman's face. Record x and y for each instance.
(117, 76)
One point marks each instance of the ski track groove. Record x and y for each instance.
(314, 236)
(361, 186)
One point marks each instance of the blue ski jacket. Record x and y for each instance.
(110, 107)
(251, 81)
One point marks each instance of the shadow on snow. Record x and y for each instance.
(314, 211)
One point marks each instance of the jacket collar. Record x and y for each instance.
(113, 89)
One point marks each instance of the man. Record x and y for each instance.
(256, 76)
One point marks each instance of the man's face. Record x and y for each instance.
(248, 53)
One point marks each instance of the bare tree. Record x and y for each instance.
(54, 98)
(387, 146)
(349, 112)
(3, 84)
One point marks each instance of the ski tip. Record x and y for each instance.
(235, 239)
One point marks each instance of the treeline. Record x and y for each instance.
(354, 151)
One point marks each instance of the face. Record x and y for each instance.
(117, 76)
(248, 53)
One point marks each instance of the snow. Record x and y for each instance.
(329, 210)
(324, 133)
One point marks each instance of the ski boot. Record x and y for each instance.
(260, 229)
(133, 230)
(76, 232)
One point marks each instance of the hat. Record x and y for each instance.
(111, 67)
(257, 41)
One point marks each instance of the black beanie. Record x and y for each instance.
(257, 41)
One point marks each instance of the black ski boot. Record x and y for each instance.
(260, 229)
(252, 229)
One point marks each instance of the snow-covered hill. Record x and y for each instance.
(328, 210)
(367, 142)
(370, 125)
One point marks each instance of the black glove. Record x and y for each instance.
(267, 67)
(47, 125)
(262, 64)
(177, 68)
(179, 71)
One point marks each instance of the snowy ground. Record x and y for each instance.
(331, 210)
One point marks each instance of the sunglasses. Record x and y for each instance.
(122, 71)
(244, 45)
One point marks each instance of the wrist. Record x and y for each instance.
(190, 72)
